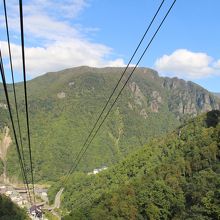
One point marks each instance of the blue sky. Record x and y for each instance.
(62, 34)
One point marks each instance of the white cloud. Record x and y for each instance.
(53, 42)
(70, 9)
(116, 63)
(64, 8)
(186, 64)
(59, 56)
(217, 64)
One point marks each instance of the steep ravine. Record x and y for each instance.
(5, 142)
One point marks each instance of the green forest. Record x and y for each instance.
(63, 106)
(154, 171)
(109, 110)
(10, 211)
(175, 176)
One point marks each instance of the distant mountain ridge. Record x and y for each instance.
(64, 105)
(217, 94)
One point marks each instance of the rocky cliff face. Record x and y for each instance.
(188, 98)
(64, 105)
(152, 94)
(5, 142)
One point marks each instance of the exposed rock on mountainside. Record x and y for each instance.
(189, 98)
(3, 106)
(61, 95)
(5, 141)
(143, 113)
(156, 101)
(138, 95)
(63, 107)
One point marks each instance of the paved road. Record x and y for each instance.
(57, 199)
(56, 204)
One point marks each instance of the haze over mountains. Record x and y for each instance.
(217, 94)
(64, 105)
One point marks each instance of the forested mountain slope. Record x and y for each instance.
(10, 211)
(64, 105)
(173, 177)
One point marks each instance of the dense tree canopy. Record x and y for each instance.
(173, 177)
(10, 211)
(63, 106)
